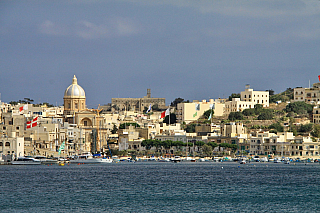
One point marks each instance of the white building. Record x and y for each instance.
(248, 99)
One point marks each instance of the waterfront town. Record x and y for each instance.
(248, 123)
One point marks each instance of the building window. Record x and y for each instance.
(85, 123)
(7, 144)
(1, 144)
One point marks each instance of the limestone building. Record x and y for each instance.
(248, 99)
(74, 99)
(189, 112)
(137, 104)
(308, 95)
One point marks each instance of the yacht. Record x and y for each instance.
(26, 161)
(45, 160)
(85, 159)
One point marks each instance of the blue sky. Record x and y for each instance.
(178, 48)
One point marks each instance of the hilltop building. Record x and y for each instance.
(248, 99)
(137, 104)
(308, 95)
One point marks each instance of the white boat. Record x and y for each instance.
(190, 159)
(45, 160)
(176, 159)
(85, 159)
(243, 161)
(26, 161)
(106, 160)
(264, 159)
(277, 160)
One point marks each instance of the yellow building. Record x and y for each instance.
(188, 112)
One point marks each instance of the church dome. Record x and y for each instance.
(74, 90)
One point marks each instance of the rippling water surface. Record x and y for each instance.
(161, 187)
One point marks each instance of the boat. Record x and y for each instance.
(189, 159)
(85, 159)
(26, 161)
(243, 161)
(277, 160)
(45, 160)
(106, 160)
(176, 159)
(264, 159)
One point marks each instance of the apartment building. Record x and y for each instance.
(283, 144)
(316, 114)
(308, 95)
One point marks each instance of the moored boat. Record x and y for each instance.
(85, 159)
(26, 161)
(176, 159)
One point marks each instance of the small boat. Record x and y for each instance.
(277, 161)
(243, 161)
(264, 159)
(176, 159)
(106, 160)
(26, 161)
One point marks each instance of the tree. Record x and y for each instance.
(212, 144)
(265, 115)
(191, 128)
(234, 95)
(299, 107)
(306, 127)
(199, 143)
(258, 108)
(316, 131)
(276, 126)
(124, 125)
(207, 150)
(155, 107)
(176, 102)
(235, 116)
(248, 112)
(207, 113)
(114, 130)
(271, 92)
(173, 119)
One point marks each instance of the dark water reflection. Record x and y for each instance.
(161, 187)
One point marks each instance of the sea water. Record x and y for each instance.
(161, 187)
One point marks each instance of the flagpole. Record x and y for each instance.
(169, 121)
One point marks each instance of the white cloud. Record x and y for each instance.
(248, 8)
(50, 28)
(114, 27)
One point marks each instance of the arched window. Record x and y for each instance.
(7, 143)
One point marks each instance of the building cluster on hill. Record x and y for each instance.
(27, 129)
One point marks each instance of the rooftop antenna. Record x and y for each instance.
(309, 84)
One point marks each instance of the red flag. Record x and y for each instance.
(165, 113)
(319, 77)
(24, 107)
(32, 123)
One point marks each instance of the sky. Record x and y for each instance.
(192, 49)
